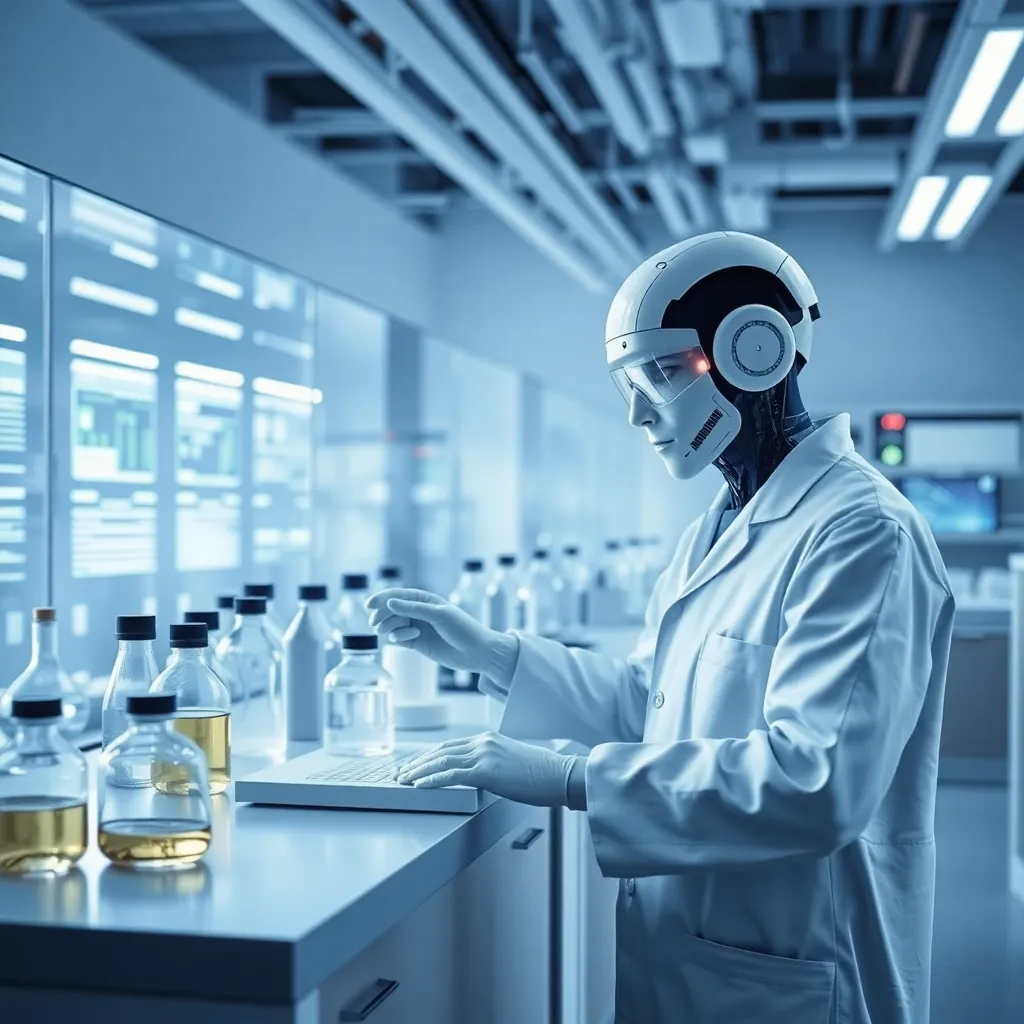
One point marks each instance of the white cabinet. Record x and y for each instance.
(477, 950)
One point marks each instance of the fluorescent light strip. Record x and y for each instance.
(196, 321)
(107, 294)
(14, 269)
(928, 190)
(210, 374)
(220, 285)
(995, 55)
(11, 211)
(1012, 121)
(10, 182)
(961, 206)
(282, 389)
(113, 218)
(124, 251)
(8, 332)
(113, 354)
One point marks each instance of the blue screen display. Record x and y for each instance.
(955, 504)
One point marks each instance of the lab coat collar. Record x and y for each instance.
(781, 493)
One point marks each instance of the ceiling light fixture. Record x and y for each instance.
(961, 206)
(1012, 121)
(928, 190)
(993, 60)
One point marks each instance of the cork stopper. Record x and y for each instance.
(44, 614)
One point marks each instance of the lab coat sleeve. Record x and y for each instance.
(847, 683)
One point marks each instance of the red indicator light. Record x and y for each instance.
(893, 421)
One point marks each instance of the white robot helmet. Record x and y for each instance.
(754, 348)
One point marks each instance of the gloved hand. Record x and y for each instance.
(506, 767)
(442, 631)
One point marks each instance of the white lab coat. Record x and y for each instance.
(764, 765)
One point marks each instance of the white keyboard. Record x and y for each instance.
(362, 771)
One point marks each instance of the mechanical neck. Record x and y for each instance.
(774, 422)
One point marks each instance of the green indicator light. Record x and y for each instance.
(892, 454)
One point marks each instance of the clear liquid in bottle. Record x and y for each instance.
(359, 721)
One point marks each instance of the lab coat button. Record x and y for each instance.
(659, 698)
(630, 886)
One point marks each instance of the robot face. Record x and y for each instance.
(659, 379)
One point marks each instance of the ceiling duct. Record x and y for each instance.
(691, 32)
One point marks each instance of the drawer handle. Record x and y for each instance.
(527, 839)
(362, 1005)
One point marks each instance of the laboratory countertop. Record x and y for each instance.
(284, 898)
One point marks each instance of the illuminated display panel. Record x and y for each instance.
(23, 276)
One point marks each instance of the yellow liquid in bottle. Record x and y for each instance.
(154, 843)
(41, 834)
(210, 731)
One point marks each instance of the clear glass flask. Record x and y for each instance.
(470, 594)
(44, 788)
(545, 589)
(203, 712)
(134, 670)
(252, 660)
(212, 622)
(388, 576)
(500, 596)
(44, 677)
(576, 585)
(350, 616)
(275, 627)
(226, 607)
(359, 711)
(166, 823)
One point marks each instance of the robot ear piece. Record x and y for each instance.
(754, 348)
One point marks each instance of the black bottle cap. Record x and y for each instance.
(136, 627)
(45, 707)
(152, 703)
(189, 635)
(359, 642)
(313, 592)
(226, 602)
(571, 550)
(390, 572)
(633, 542)
(612, 545)
(211, 620)
(259, 590)
(473, 565)
(540, 554)
(251, 605)
(355, 581)
(506, 560)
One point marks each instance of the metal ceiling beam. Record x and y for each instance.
(369, 159)
(870, 33)
(772, 5)
(165, 18)
(263, 51)
(311, 29)
(972, 20)
(335, 123)
(160, 8)
(1007, 167)
(826, 110)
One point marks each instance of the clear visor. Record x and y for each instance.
(659, 379)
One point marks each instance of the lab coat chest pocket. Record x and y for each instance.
(729, 686)
(725, 984)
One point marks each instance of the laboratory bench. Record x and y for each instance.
(308, 916)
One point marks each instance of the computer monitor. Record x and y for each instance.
(967, 504)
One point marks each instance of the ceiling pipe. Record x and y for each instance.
(450, 25)
(312, 30)
(602, 72)
(554, 92)
(660, 183)
(426, 54)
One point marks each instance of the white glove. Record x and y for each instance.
(517, 771)
(442, 631)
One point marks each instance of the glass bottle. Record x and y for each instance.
(203, 711)
(166, 823)
(44, 677)
(388, 576)
(309, 653)
(545, 589)
(266, 590)
(359, 711)
(576, 580)
(500, 601)
(226, 608)
(252, 661)
(470, 594)
(213, 634)
(44, 788)
(134, 671)
(351, 617)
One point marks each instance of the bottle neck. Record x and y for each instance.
(44, 641)
(189, 655)
(151, 724)
(38, 736)
(136, 659)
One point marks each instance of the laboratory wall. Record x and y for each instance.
(87, 104)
